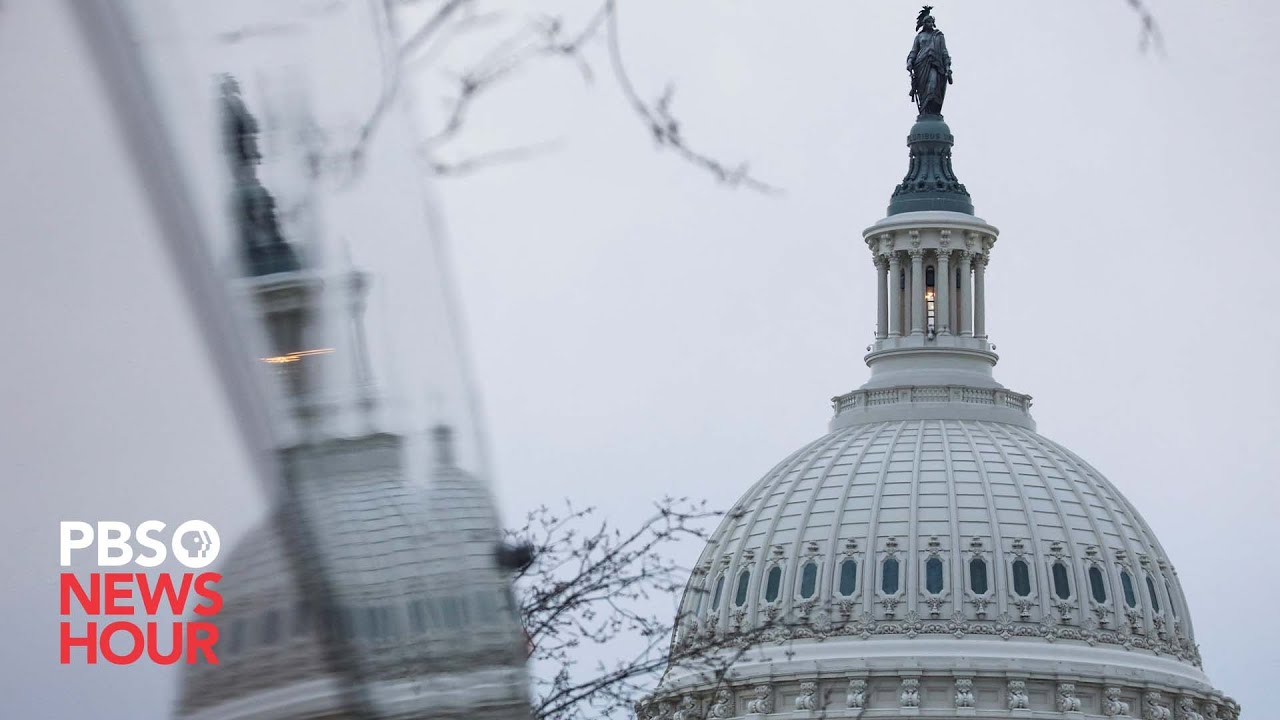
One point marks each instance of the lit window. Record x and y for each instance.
(715, 598)
(1061, 582)
(889, 576)
(1021, 578)
(809, 580)
(978, 576)
(848, 577)
(1151, 595)
(740, 597)
(930, 295)
(1096, 585)
(933, 576)
(773, 583)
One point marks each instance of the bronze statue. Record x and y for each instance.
(929, 65)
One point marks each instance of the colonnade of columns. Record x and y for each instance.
(902, 293)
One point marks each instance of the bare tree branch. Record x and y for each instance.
(663, 125)
(593, 586)
(1150, 37)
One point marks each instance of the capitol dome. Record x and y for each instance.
(932, 555)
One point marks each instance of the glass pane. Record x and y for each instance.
(1021, 578)
(1061, 585)
(715, 599)
(1126, 583)
(978, 576)
(889, 577)
(1096, 586)
(848, 577)
(740, 597)
(933, 576)
(774, 581)
(809, 580)
(1151, 594)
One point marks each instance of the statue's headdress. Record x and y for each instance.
(925, 12)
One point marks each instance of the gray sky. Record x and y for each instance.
(638, 330)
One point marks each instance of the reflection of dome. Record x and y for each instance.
(426, 610)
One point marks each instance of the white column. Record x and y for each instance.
(917, 291)
(979, 296)
(942, 282)
(966, 293)
(882, 297)
(895, 296)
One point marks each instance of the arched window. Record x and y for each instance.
(848, 576)
(1021, 578)
(1173, 603)
(772, 583)
(715, 597)
(933, 575)
(1096, 584)
(1126, 584)
(1061, 581)
(930, 295)
(809, 580)
(889, 576)
(740, 596)
(978, 576)
(271, 627)
(1151, 595)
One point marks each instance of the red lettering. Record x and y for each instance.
(114, 594)
(90, 602)
(213, 596)
(204, 644)
(164, 588)
(134, 633)
(88, 642)
(153, 645)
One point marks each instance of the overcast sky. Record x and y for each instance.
(638, 330)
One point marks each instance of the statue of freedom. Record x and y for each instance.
(929, 65)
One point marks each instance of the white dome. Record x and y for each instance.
(425, 607)
(973, 497)
(933, 555)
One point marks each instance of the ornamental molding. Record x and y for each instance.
(1005, 627)
(1067, 700)
(806, 694)
(964, 693)
(1018, 699)
(762, 703)
(807, 699)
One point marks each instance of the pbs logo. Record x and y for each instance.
(194, 543)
